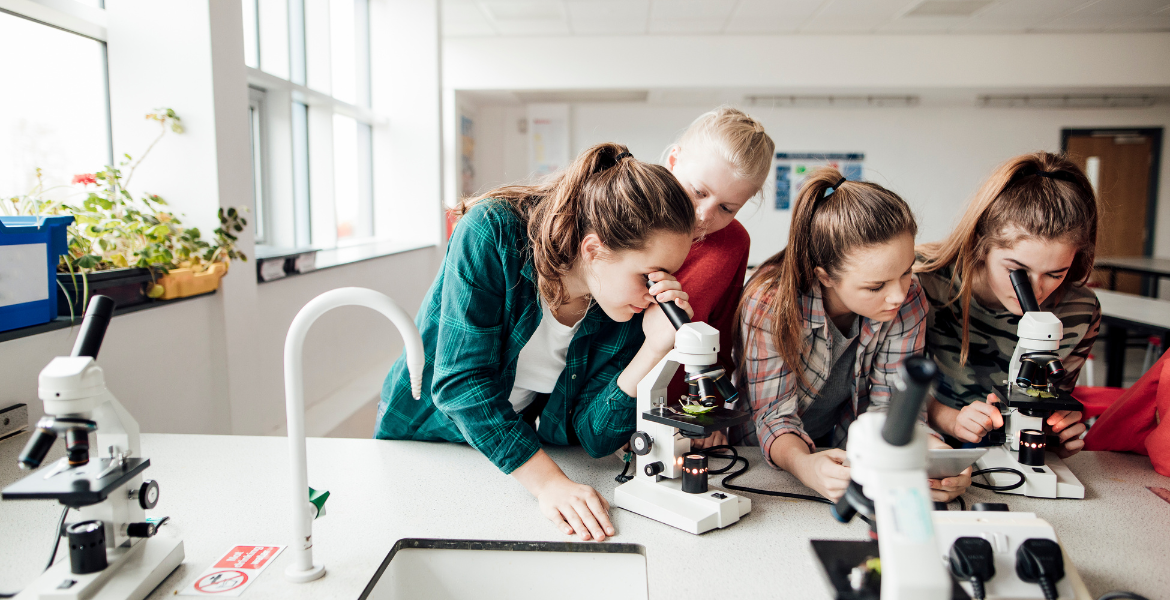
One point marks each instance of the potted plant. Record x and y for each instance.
(134, 250)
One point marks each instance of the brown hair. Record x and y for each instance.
(735, 137)
(1039, 195)
(605, 191)
(824, 231)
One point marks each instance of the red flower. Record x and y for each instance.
(85, 179)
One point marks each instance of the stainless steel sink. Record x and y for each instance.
(423, 569)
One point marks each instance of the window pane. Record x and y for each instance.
(296, 41)
(257, 174)
(251, 34)
(347, 187)
(341, 52)
(300, 148)
(53, 109)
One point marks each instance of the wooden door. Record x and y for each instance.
(1119, 162)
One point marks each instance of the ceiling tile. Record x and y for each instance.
(617, 10)
(777, 9)
(922, 25)
(608, 26)
(712, 25)
(687, 10)
(466, 29)
(738, 25)
(822, 24)
(523, 10)
(859, 9)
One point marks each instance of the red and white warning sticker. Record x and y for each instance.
(234, 572)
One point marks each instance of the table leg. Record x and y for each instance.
(1115, 337)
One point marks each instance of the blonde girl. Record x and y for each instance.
(722, 161)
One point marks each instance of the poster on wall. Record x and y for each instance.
(792, 168)
(548, 138)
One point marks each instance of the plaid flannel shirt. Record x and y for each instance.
(778, 397)
(481, 310)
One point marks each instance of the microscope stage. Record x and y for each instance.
(77, 486)
(697, 425)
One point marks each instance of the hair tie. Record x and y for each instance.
(829, 191)
(622, 155)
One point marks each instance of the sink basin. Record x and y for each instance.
(423, 569)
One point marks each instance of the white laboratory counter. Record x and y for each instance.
(225, 490)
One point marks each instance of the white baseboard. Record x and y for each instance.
(331, 411)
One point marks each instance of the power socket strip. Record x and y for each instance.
(13, 420)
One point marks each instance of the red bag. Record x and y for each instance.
(1132, 424)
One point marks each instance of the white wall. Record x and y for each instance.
(934, 157)
(214, 364)
(934, 154)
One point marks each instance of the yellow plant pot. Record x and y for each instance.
(180, 283)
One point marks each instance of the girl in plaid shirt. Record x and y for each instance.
(824, 324)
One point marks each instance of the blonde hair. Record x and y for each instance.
(735, 137)
(1040, 196)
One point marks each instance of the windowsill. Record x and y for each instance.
(358, 252)
(66, 322)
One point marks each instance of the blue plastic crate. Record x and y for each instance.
(30, 248)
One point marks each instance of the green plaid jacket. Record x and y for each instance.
(481, 310)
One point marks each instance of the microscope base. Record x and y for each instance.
(1053, 480)
(664, 501)
(132, 574)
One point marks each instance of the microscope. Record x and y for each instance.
(670, 483)
(1030, 395)
(113, 550)
(926, 554)
(887, 458)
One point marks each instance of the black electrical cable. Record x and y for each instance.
(962, 503)
(999, 488)
(735, 458)
(622, 478)
(1121, 596)
(57, 538)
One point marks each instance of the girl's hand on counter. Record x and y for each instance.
(659, 332)
(576, 509)
(1068, 424)
(825, 472)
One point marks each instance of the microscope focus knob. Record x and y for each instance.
(141, 530)
(641, 443)
(148, 494)
(654, 468)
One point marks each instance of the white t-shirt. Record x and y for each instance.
(542, 359)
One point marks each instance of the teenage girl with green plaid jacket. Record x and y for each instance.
(534, 329)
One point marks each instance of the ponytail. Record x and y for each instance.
(1041, 195)
(831, 218)
(605, 191)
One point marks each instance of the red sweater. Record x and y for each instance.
(712, 276)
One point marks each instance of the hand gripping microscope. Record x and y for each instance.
(113, 551)
(1030, 396)
(670, 483)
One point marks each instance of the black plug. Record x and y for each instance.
(972, 560)
(1040, 561)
